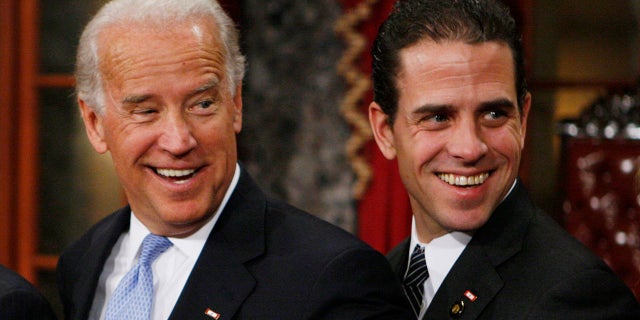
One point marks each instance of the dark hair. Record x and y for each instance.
(410, 21)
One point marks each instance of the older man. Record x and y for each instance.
(451, 104)
(159, 87)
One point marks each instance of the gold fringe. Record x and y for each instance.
(359, 85)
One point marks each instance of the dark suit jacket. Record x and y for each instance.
(20, 300)
(263, 260)
(522, 265)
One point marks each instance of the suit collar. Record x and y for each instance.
(92, 262)
(398, 258)
(502, 236)
(475, 271)
(220, 280)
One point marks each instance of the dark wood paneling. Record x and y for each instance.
(7, 114)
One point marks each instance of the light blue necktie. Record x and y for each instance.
(133, 298)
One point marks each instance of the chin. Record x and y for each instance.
(469, 225)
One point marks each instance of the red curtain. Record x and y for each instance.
(384, 213)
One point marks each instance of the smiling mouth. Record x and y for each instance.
(177, 176)
(464, 181)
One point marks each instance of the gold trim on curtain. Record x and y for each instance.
(358, 86)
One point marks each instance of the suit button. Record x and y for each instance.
(457, 309)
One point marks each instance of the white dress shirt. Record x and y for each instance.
(441, 254)
(170, 270)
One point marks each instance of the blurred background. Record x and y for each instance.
(305, 137)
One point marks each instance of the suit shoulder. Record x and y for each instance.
(547, 237)
(573, 279)
(305, 230)
(97, 232)
(559, 258)
(19, 299)
(10, 281)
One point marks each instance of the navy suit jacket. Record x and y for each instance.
(522, 265)
(20, 300)
(263, 260)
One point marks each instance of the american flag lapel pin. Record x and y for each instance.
(212, 314)
(470, 295)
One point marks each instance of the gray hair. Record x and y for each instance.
(88, 77)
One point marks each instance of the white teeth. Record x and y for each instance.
(456, 180)
(175, 173)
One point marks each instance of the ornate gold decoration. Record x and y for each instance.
(359, 84)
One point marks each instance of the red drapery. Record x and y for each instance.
(384, 213)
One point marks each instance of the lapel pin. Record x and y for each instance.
(212, 314)
(457, 309)
(470, 295)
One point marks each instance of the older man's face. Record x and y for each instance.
(458, 132)
(170, 122)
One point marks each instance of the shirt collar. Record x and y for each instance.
(442, 252)
(447, 240)
(414, 234)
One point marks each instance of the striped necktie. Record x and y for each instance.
(416, 275)
(133, 297)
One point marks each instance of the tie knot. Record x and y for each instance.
(417, 270)
(152, 246)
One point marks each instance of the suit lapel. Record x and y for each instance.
(91, 264)
(472, 273)
(220, 281)
(399, 257)
(475, 271)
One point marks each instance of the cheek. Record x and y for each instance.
(130, 142)
(215, 135)
(509, 143)
(425, 148)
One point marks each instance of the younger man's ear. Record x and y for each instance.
(382, 130)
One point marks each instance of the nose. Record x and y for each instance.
(176, 137)
(467, 143)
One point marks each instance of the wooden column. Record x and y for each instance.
(7, 127)
(27, 139)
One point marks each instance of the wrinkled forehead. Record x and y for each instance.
(125, 43)
(201, 29)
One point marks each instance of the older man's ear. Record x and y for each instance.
(93, 126)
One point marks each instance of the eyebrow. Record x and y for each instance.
(135, 99)
(487, 105)
(212, 83)
(498, 103)
(432, 108)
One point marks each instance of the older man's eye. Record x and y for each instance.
(205, 104)
(203, 107)
(144, 111)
